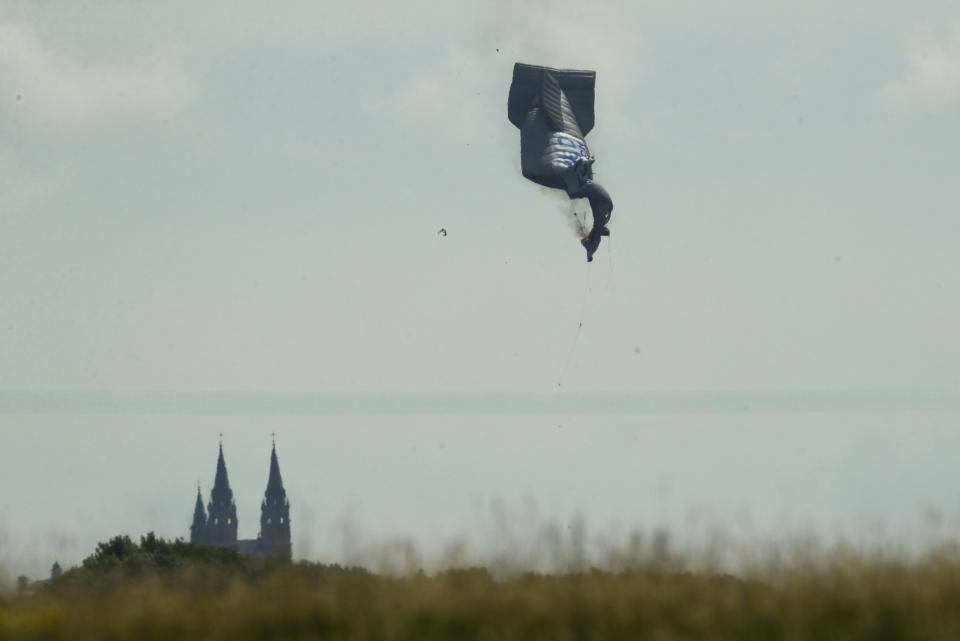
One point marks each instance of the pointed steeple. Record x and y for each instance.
(197, 529)
(221, 484)
(275, 513)
(275, 481)
(221, 529)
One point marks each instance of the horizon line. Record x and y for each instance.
(406, 402)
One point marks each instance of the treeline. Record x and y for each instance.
(177, 563)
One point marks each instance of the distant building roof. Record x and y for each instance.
(249, 547)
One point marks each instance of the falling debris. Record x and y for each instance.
(553, 109)
(442, 231)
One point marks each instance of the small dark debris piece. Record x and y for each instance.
(442, 231)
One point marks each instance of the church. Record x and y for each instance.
(217, 525)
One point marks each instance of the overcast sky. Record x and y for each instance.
(231, 197)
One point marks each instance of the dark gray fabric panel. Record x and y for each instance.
(528, 84)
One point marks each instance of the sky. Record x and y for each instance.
(233, 197)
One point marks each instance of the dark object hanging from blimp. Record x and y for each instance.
(553, 108)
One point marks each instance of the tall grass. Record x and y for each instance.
(842, 595)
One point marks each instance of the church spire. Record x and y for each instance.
(199, 521)
(221, 529)
(275, 482)
(221, 484)
(275, 513)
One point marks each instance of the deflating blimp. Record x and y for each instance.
(553, 109)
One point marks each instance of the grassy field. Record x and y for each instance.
(189, 595)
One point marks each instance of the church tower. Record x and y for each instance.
(199, 526)
(221, 529)
(275, 514)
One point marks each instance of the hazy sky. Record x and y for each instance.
(229, 196)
